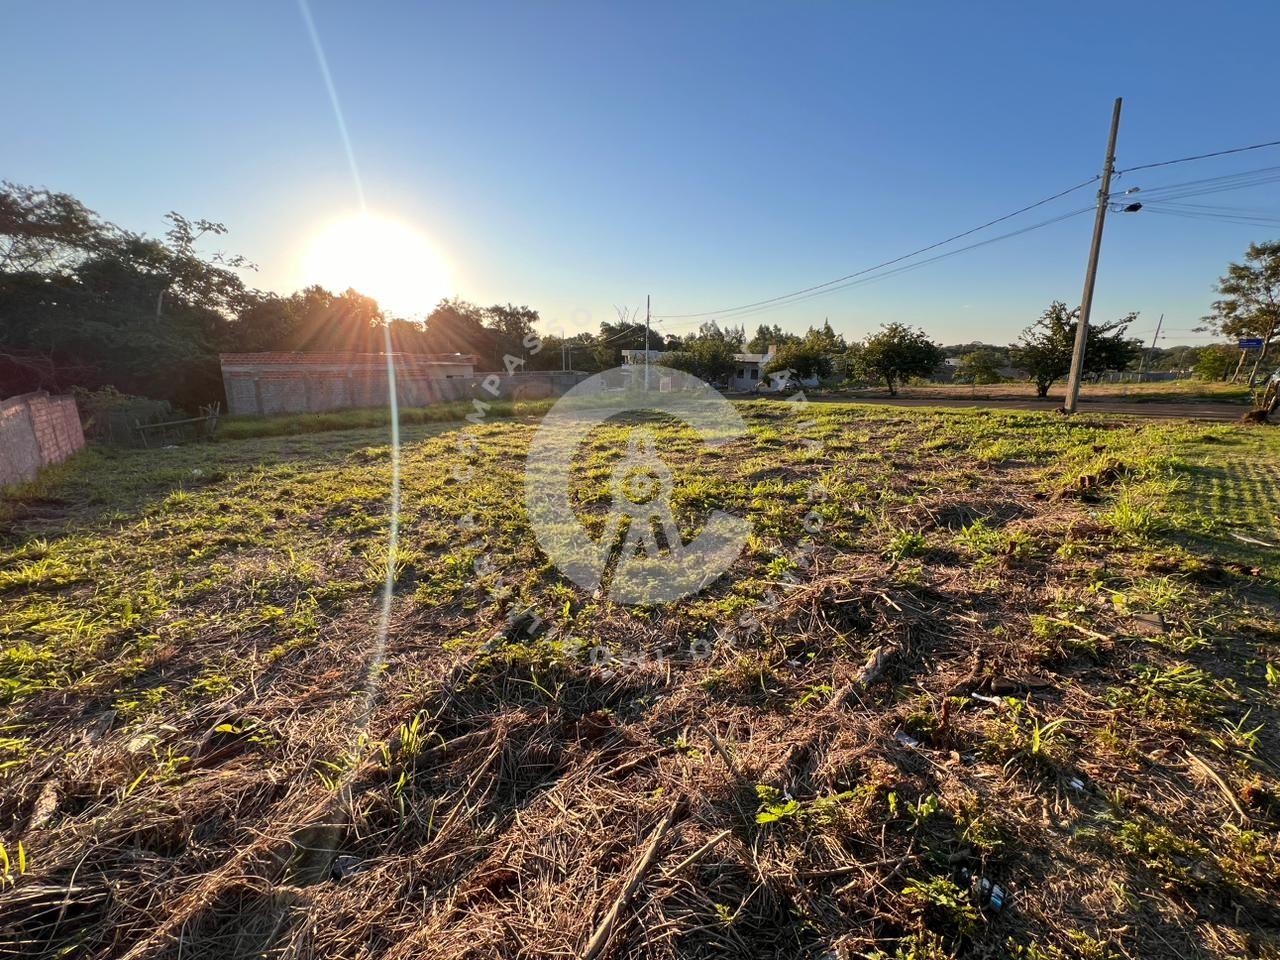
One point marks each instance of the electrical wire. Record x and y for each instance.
(636, 328)
(1221, 218)
(746, 312)
(886, 263)
(1218, 208)
(1194, 188)
(1151, 200)
(1199, 156)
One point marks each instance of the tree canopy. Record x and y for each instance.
(767, 336)
(84, 303)
(1045, 348)
(813, 356)
(708, 358)
(979, 367)
(1249, 304)
(1250, 298)
(896, 354)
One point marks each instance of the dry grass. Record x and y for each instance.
(1001, 660)
(1167, 391)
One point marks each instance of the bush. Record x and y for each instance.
(109, 416)
(1216, 362)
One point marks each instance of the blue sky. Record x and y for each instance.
(577, 156)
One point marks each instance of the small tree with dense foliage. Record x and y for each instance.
(978, 367)
(769, 336)
(1216, 362)
(709, 358)
(805, 359)
(897, 353)
(1046, 346)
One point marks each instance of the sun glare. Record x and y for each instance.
(381, 258)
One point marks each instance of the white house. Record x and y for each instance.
(749, 371)
(747, 376)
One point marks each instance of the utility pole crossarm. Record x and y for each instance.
(1091, 271)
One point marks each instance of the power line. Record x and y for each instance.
(1198, 188)
(634, 328)
(1218, 208)
(1178, 191)
(1200, 156)
(887, 263)
(1219, 217)
(905, 267)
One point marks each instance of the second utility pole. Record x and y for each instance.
(1091, 271)
(1142, 362)
(646, 341)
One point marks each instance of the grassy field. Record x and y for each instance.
(1015, 652)
(1172, 391)
(294, 424)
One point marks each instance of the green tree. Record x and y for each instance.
(897, 353)
(510, 327)
(826, 339)
(1216, 362)
(84, 303)
(980, 366)
(710, 359)
(1045, 347)
(627, 333)
(1250, 298)
(46, 232)
(849, 364)
(805, 359)
(457, 326)
(734, 336)
(767, 336)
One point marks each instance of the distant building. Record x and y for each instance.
(747, 376)
(631, 357)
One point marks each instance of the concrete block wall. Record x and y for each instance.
(319, 391)
(36, 430)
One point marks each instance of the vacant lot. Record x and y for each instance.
(1014, 652)
(1175, 391)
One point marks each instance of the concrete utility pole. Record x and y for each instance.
(1142, 361)
(1091, 271)
(646, 341)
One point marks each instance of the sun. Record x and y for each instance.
(382, 258)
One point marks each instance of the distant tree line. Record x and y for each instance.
(85, 303)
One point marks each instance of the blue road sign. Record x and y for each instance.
(1250, 343)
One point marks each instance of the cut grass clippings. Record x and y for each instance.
(1015, 694)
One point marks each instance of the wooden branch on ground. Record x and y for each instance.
(724, 755)
(599, 941)
(698, 854)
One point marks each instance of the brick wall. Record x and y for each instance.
(35, 431)
(278, 383)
